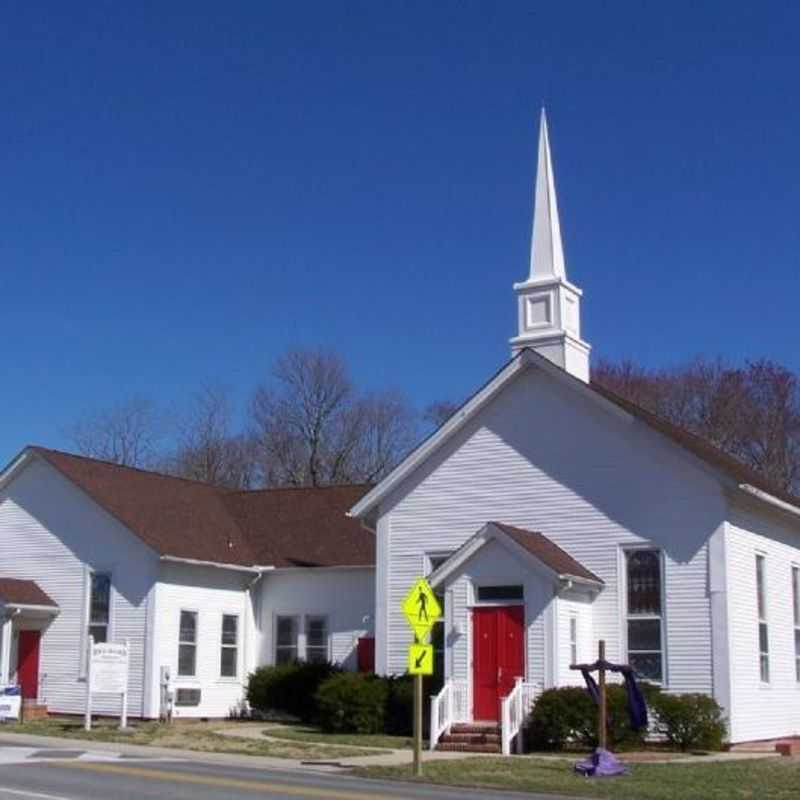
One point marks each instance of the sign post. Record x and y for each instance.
(107, 673)
(422, 610)
(602, 717)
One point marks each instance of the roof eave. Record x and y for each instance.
(769, 499)
(15, 465)
(593, 583)
(197, 562)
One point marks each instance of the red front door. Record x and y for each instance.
(28, 663)
(498, 657)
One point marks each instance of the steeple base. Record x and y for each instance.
(549, 321)
(571, 354)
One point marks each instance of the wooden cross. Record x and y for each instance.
(602, 716)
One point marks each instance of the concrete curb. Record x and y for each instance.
(153, 751)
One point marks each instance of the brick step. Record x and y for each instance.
(33, 710)
(471, 738)
(476, 727)
(462, 747)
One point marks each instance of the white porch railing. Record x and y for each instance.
(514, 710)
(447, 707)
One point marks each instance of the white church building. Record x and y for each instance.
(547, 513)
(550, 514)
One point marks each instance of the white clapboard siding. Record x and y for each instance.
(578, 606)
(345, 596)
(542, 456)
(51, 532)
(211, 593)
(762, 711)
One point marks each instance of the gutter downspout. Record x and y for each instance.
(247, 607)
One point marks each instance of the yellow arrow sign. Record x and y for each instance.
(420, 659)
(421, 608)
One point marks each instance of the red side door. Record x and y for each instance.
(498, 657)
(28, 663)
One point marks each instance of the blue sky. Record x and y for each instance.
(189, 189)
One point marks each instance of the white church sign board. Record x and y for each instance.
(107, 673)
(10, 702)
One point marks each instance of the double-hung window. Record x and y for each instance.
(285, 640)
(99, 605)
(316, 639)
(187, 644)
(763, 629)
(645, 613)
(796, 606)
(229, 646)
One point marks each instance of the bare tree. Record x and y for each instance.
(751, 412)
(208, 449)
(128, 433)
(314, 428)
(438, 412)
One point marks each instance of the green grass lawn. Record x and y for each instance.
(201, 736)
(308, 733)
(765, 779)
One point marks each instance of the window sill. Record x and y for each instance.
(229, 681)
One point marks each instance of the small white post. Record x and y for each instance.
(5, 650)
(87, 720)
(123, 723)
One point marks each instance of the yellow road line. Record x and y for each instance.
(211, 780)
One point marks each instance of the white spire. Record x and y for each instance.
(547, 251)
(548, 305)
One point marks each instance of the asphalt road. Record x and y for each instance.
(61, 774)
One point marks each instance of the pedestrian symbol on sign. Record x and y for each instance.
(422, 602)
(421, 608)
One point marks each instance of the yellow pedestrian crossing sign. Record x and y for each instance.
(421, 608)
(420, 659)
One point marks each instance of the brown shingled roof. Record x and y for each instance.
(15, 592)
(189, 519)
(303, 527)
(548, 552)
(698, 446)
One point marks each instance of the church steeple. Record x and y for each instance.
(549, 319)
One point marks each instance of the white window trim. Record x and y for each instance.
(196, 644)
(87, 611)
(301, 617)
(515, 601)
(322, 615)
(624, 617)
(427, 559)
(472, 596)
(572, 627)
(236, 677)
(275, 617)
(760, 554)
